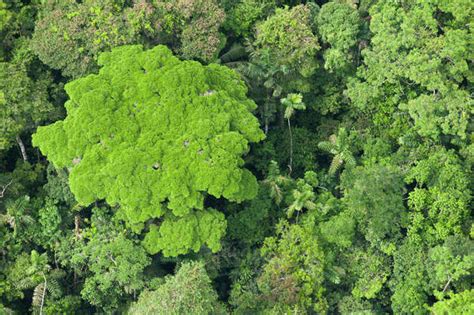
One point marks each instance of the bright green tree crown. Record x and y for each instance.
(155, 135)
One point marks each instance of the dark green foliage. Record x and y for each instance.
(189, 291)
(452, 264)
(305, 148)
(23, 103)
(69, 35)
(410, 279)
(242, 17)
(419, 62)
(17, 19)
(370, 269)
(66, 305)
(292, 278)
(251, 224)
(196, 23)
(350, 305)
(339, 230)
(285, 47)
(373, 197)
(114, 262)
(57, 187)
(338, 24)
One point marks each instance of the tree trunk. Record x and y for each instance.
(22, 148)
(43, 295)
(290, 165)
(265, 118)
(77, 229)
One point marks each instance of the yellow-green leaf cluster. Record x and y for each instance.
(156, 135)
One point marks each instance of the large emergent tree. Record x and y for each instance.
(155, 136)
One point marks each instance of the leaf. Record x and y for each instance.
(38, 295)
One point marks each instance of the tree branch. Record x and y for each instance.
(447, 284)
(4, 188)
(22, 148)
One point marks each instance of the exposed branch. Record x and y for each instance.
(4, 188)
(447, 284)
(112, 259)
(22, 148)
(77, 228)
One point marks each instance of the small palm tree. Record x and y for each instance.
(275, 181)
(16, 216)
(339, 146)
(303, 198)
(292, 103)
(40, 276)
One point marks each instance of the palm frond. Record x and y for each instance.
(289, 112)
(275, 192)
(54, 288)
(342, 136)
(327, 146)
(348, 158)
(26, 219)
(38, 295)
(336, 163)
(236, 52)
(253, 71)
(18, 205)
(25, 283)
(56, 274)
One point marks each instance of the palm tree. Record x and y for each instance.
(339, 147)
(275, 181)
(260, 73)
(292, 103)
(303, 198)
(40, 276)
(16, 216)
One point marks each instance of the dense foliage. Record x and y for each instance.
(236, 156)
